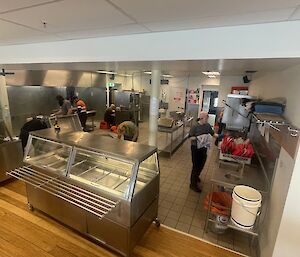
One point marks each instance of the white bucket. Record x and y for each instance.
(245, 205)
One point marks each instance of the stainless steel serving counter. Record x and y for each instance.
(105, 188)
(119, 148)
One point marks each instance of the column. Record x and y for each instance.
(154, 105)
(107, 95)
(4, 104)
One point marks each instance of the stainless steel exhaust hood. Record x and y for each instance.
(56, 78)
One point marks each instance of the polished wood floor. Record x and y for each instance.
(28, 234)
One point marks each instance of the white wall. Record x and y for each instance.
(287, 243)
(226, 82)
(281, 84)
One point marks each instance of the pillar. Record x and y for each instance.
(4, 104)
(154, 105)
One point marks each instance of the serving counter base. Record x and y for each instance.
(105, 231)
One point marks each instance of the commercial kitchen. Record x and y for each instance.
(149, 138)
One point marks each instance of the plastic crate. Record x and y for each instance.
(234, 158)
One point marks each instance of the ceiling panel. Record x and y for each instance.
(9, 5)
(157, 10)
(240, 19)
(114, 31)
(12, 33)
(70, 15)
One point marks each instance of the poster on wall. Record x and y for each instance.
(193, 96)
(178, 97)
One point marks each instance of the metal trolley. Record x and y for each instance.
(105, 188)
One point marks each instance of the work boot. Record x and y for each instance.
(195, 188)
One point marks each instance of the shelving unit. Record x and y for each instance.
(228, 179)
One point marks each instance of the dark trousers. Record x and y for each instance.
(128, 138)
(198, 158)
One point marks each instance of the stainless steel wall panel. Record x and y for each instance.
(29, 101)
(95, 99)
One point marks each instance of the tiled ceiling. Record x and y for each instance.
(29, 21)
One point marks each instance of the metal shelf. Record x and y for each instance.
(93, 203)
(253, 231)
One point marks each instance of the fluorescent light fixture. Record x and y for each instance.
(163, 75)
(125, 75)
(211, 73)
(211, 76)
(106, 72)
(167, 76)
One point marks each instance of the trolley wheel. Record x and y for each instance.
(157, 222)
(30, 207)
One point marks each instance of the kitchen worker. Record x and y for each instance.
(110, 115)
(128, 130)
(200, 135)
(79, 103)
(65, 106)
(32, 124)
(80, 109)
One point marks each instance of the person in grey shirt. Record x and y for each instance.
(200, 135)
(65, 106)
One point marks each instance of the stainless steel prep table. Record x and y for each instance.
(178, 133)
(105, 188)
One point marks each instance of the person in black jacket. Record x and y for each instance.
(32, 124)
(110, 115)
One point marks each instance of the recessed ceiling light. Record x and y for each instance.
(148, 72)
(212, 73)
(106, 72)
(211, 76)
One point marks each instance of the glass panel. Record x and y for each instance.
(101, 171)
(148, 169)
(48, 154)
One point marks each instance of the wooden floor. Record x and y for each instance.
(28, 234)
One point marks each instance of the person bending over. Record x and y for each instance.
(128, 130)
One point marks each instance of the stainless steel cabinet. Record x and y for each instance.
(11, 154)
(105, 188)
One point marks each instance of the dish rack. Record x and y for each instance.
(241, 160)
